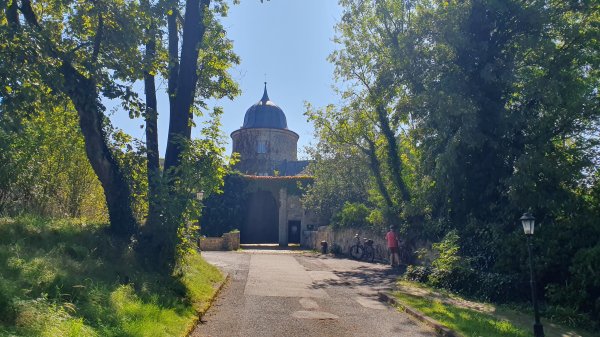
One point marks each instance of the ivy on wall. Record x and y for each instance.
(225, 211)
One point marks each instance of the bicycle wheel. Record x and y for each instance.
(356, 252)
(369, 254)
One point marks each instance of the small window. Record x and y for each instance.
(261, 147)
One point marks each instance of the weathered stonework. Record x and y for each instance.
(269, 160)
(279, 145)
(229, 241)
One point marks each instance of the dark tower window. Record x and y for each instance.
(261, 147)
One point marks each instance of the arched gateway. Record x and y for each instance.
(261, 223)
(269, 162)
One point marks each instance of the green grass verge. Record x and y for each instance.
(467, 322)
(567, 324)
(69, 278)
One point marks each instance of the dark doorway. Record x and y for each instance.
(294, 231)
(261, 224)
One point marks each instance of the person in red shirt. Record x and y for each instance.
(392, 243)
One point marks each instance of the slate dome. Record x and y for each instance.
(265, 114)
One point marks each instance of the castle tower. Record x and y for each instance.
(265, 144)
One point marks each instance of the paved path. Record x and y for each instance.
(288, 294)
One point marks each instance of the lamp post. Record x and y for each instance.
(528, 222)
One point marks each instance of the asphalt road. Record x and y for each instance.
(285, 293)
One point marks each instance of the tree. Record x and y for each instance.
(494, 108)
(210, 53)
(86, 50)
(368, 31)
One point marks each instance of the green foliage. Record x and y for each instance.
(44, 168)
(130, 153)
(571, 317)
(224, 212)
(451, 271)
(464, 115)
(69, 278)
(202, 169)
(447, 251)
(351, 215)
(327, 195)
(417, 273)
(82, 51)
(583, 290)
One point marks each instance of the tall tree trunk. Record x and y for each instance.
(152, 154)
(393, 156)
(83, 93)
(180, 116)
(12, 16)
(182, 81)
(376, 169)
(173, 47)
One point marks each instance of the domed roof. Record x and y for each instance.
(265, 114)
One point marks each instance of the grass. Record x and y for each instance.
(467, 322)
(69, 278)
(426, 298)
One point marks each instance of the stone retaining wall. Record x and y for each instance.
(340, 240)
(229, 241)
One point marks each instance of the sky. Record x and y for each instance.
(285, 41)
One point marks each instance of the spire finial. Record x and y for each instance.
(265, 95)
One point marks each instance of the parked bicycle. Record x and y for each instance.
(363, 250)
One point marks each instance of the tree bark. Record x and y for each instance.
(393, 157)
(159, 245)
(173, 47)
(82, 91)
(152, 154)
(376, 169)
(180, 116)
(12, 16)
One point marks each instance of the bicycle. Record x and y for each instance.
(363, 250)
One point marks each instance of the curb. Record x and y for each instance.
(201, 313)
(439, 328)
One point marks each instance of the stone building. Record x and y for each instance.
(269, 162)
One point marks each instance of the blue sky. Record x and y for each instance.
(289, 41)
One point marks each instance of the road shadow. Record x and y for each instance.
(375, 276)
(269, 246)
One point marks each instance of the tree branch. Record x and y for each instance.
(98, 39)
(12, 15)
(29, 14)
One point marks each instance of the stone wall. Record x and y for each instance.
(280, 145)
(229, 241)
(340, 240)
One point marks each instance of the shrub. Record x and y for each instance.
(417, 273)
(453, 272)
(583, 292)
(570, 316)
(352, 215)
(7, 306)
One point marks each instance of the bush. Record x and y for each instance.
(224, 212)
(417, 273)
(571, 317)
(352, 215)
(7, 306)
(583, 292)
(453, 272)
(492, 287)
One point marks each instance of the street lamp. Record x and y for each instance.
(528, 222)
